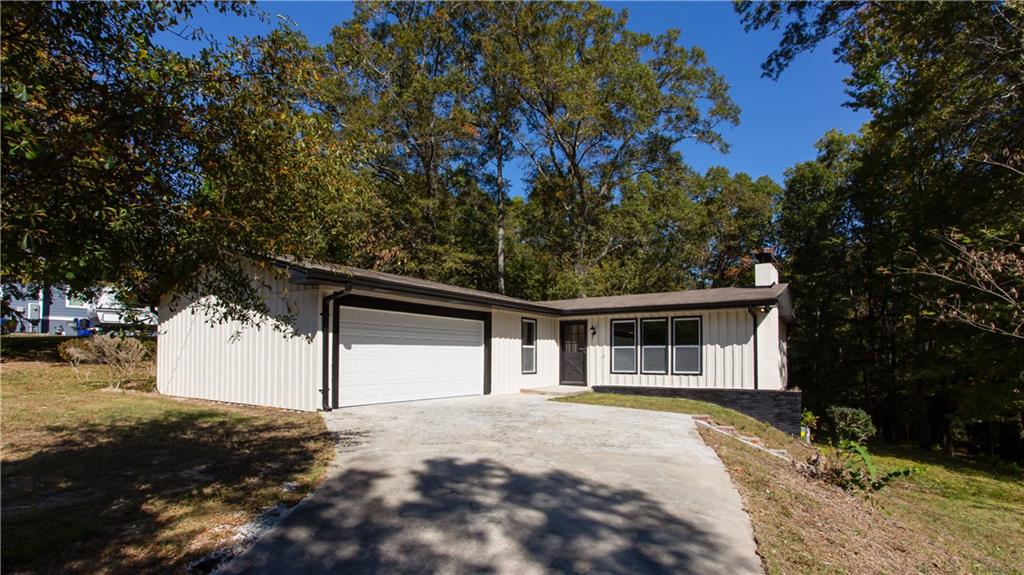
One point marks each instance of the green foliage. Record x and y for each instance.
(130, 165)
(808, 419)
(850, 466)
(901, 239)
(850, 424)
(859, 471)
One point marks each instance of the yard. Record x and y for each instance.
(954, 515)
(100, 481)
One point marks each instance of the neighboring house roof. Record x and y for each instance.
(710, 298)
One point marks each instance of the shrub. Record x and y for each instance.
(850, 424)
(73, 350)
(808, 419)
(122, 356)
(150, 344)
(851, 467)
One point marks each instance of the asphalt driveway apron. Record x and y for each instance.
(516, 485)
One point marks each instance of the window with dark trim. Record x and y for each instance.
(686, 346)
(529, 335)
(623, 346)
(654, 345)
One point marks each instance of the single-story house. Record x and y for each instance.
(363, 337)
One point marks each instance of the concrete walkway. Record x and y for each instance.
(517, 485)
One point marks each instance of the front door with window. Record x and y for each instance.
(573, 352)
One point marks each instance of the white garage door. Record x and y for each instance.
(392, 356)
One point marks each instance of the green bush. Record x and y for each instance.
(850, 424)
(851, 467)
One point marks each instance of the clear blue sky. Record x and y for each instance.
(780, 121)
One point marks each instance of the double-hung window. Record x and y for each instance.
(529, 334)
(686, 341)
(623, 346)
(654, 345)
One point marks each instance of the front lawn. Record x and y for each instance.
(953, 516)
(100, 481)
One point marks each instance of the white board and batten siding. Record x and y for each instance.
(506, 352)
(254, 365)
(727, 351)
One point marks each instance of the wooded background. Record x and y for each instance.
(131, 165)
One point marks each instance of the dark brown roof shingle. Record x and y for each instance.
(688, 299)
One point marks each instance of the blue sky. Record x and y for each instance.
(780, 120)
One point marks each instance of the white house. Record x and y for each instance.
(365, 337)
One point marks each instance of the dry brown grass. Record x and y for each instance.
(96, 481)
(805, 526)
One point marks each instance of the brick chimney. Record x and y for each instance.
(765, 272)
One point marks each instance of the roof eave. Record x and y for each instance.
(668, 307)
(314, 276)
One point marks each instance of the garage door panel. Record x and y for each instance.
(392, 356)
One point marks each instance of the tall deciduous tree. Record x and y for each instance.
(944, 83)
(129, 164)
(602, 105)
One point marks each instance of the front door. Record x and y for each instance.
(574, 352)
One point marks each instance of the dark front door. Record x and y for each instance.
(574, 352)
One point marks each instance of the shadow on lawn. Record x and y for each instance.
(92, 500)
(964, 464)
(470, 516)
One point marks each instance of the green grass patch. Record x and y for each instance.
(979, 505)
(745, 425)
(103, 481)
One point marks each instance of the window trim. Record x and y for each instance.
(523, 347)
(668, 342)
(699, 346)
(612, 346)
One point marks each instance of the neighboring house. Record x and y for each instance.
(51, 310)
(54, 311)
(363, 337)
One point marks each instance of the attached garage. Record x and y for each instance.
(358, 337)
(387, 356)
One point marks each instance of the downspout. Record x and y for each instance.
(325, 326)
(753, 316)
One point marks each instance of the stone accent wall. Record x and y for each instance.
(780, 409)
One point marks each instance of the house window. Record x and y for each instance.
(72, 301)
(623, 346)
(686, 340)
(654, 347)
(529, 328)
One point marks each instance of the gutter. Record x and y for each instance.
(325, 317)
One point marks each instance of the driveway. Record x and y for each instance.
(516, 485)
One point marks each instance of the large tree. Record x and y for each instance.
(602, 105)
(940, 159)
(132, 165)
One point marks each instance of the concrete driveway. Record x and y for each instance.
(517, 485)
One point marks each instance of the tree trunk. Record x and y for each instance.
(501, 219)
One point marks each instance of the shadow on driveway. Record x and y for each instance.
(481, 517)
